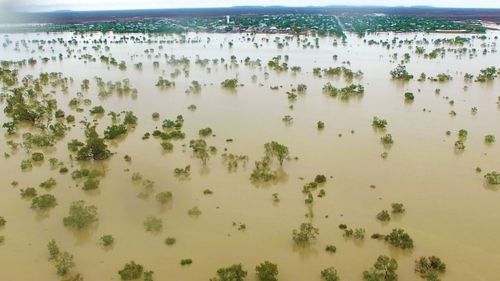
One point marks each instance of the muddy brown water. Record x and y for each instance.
(449, 210)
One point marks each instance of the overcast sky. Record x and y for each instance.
(50, 5)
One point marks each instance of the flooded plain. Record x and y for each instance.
(450, 210)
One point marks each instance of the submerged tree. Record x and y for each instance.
(330, 274)
(401, 73)
(43, 202)
(492, 178)
(384, 216)
(200, 150)
(430, 267)
(399, 238)
(63, 261)
(94, 148)
(131, 271)
(398, 208)
(205, 132)
(234, 272)
(80, 216)
(229, 83)
(107, 240)
(164, 197)
(489, 139)
(305, 233)
(274, 149)
(409, 96)
(379, 123)
(384, 269)
(267, 271)
(262, 171)
(153, 224)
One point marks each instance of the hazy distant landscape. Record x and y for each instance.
(421, 11)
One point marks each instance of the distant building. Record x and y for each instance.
(228, 19)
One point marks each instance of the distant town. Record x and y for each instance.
(326, 21)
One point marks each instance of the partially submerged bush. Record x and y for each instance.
(462, 134)
(28, 193)
(164, 197)
(459, 145)
(26, 164)
(194, 212)
(331, 249)
(200, 150)
(345, 93)
(384, 269)
(399, 238)
(430, 267)
(397, 208)
(357, 233)
(167, 146)
(379, 123)
(492, 178)
(37, 156)
(387, 139)
(63, 261)
(183, 173)
(262, 171)
(80, 215)
(169, 241)
(107, 240)
(229, 83)
(90, 183)
(383, 216)
(275, 149)
(95, 148)
(409, 96)
(400, 73)
(267, 271)
(330, 274)
(48, 184)
(44, 202)
(114, 131)
(205, 132)
(320, 179)
(234, 272)
(131, 271)
(153, 224)
(304, 234)
(489, 139)
(97, 110)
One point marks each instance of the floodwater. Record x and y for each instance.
(450, 212)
